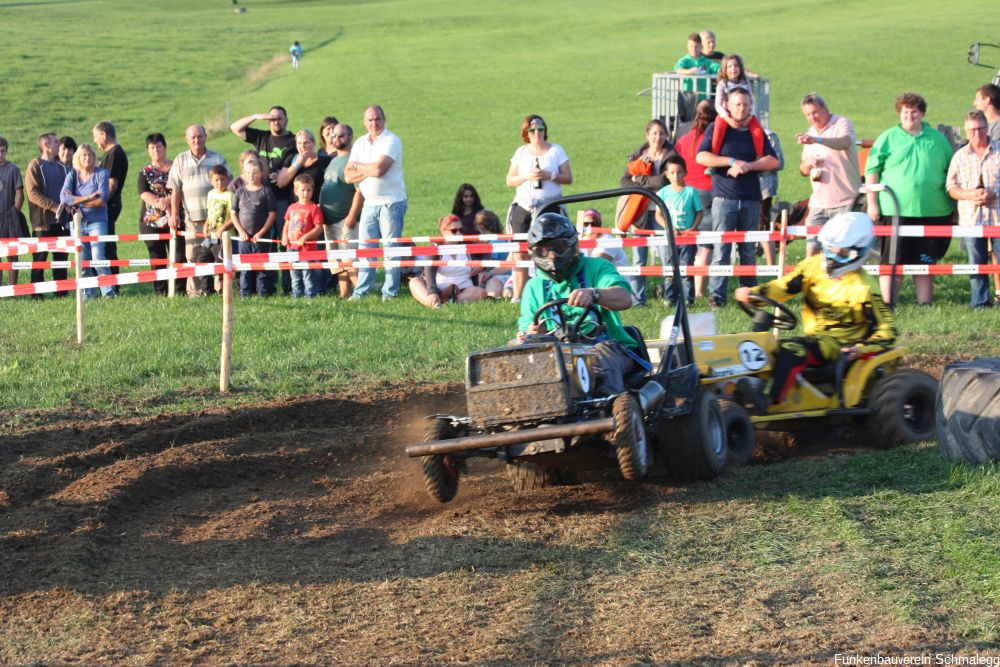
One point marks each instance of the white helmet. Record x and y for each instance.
(853, 231)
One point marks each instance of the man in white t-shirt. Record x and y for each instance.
(830, 160)
(376, 164)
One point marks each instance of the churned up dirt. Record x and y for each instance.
(297, 532)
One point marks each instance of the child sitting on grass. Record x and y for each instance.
(303, 224)
(686, 213)
(447, 284)
(491, 279)
(585, 225)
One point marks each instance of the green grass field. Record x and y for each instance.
(901, 540)
(455, 81)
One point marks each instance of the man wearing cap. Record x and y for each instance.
(830, 160)
(564, 273)
(376, 164)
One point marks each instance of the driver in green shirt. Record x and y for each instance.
(564, 273)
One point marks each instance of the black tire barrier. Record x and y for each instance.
(968, 411)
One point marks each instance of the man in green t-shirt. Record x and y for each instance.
(564, 273)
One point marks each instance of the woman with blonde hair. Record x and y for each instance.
(86, 188)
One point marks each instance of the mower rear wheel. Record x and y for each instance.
(903, 408)
(694, 444)
(440, 470)
(526, 476)
(629, 438)
(740, 434)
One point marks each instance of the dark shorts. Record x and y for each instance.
(917, 249)
(13, 225)
(518, 219)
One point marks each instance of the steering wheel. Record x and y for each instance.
(784, 319)
(566, 331)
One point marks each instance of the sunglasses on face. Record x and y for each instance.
(536, 129)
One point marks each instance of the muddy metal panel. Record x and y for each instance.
(516, 384)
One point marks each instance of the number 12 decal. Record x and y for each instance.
(752, 355)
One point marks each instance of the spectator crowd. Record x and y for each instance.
(718, 172)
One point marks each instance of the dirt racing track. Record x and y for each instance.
(298, 532)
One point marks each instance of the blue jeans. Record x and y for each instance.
(707, 221)
(95, 251)
(302, 283)
(685, 255)
(640, 255)
(380, 221)
(978, 254)
(259, 282)
(733, 215)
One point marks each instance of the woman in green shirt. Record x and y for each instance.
(912, 158)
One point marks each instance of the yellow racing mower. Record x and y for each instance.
(891, 405)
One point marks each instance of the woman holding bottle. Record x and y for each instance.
(537, 171)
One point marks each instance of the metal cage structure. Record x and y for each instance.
(676, 97)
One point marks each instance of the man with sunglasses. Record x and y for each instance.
(564, 273)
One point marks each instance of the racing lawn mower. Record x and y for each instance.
(536, 406)
(887, 404)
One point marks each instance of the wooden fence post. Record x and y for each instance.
(225, 363)
(172, 253)
(78, 261)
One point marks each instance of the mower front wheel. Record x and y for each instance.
(440, 470)
(629, 438)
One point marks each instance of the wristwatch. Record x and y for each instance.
(595, 295)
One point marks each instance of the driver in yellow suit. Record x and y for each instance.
(842, 309)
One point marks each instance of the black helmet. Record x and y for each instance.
(559, 234)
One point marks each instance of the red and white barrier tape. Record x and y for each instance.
(753, 270)
(609, 239)
(96, 263)
(15, 247)
(27, 289)
(187, 271)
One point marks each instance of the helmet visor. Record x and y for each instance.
(555, 246)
